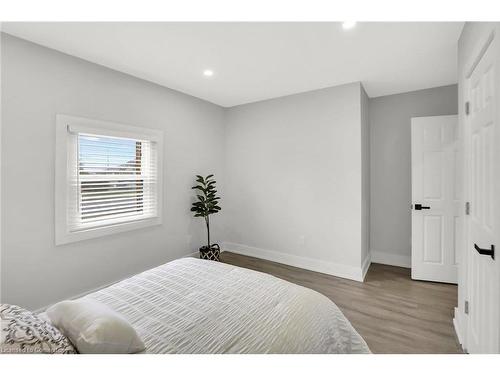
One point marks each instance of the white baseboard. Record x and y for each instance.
(391, 259)
(366, 265)
(335, 269)
(458, 325)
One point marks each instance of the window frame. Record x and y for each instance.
(64, 162)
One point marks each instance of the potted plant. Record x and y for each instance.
(206, 205)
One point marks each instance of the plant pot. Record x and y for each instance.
(210, 253)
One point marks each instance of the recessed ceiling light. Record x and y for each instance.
(208, 73)
(348, 25)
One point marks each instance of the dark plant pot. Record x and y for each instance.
(210, 253)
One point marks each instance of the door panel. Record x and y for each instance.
(434, 154)
(433, 239)
(433, 166)
(483, 222)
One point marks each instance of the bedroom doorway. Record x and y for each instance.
(435, 198)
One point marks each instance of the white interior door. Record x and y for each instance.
(483, 154)
(435, 202)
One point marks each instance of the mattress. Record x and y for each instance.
(200, 306)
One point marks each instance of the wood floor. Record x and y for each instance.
(392, 312)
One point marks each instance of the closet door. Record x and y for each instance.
(435, 202)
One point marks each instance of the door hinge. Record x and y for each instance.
(467, 208)
(467, 108)
(466, 307)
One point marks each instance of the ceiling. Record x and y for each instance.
(258, 61)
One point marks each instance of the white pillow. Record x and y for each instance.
(94, 328)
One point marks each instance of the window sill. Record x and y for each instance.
(69, 237)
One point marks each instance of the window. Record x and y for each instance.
(108, 178)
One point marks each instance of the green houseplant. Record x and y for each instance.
(207, 204)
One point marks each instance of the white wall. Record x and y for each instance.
(390, 183)
(38, 83)
(294, 180)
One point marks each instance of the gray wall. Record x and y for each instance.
(294, 189)
(390, 216)
(38, 83)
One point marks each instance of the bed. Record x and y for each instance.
(199, 306)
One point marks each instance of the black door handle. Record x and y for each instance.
(490, 251)
(418, 206)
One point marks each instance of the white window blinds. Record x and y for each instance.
(108, 178)
(116, 181)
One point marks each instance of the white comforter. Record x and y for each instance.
(199, 306)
